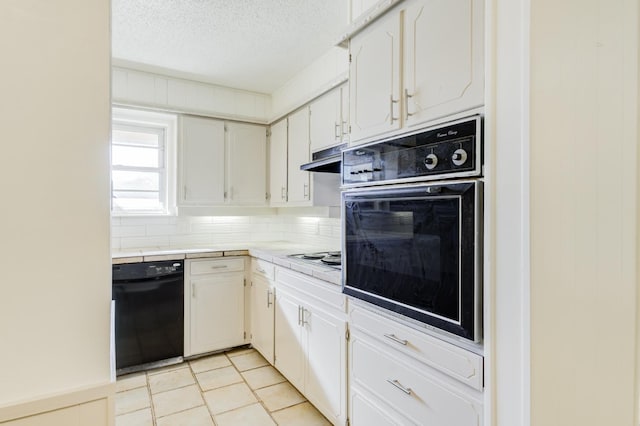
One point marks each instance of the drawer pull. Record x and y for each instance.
(269, 302)
(396, 339)
(399, 386)
(220, 267)
(260, 270)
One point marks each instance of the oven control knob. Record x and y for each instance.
(459, 157)
(431, 161)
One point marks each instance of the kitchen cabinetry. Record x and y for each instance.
(201, 161)
(441, 72)
(214, 305)
(328, 119)
(263, 307)
(246, 164)
(289, 149)
(221, 163)
(402, 374)
(298, 181)
(310, 340)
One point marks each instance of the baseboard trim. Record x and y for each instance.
(59, 401)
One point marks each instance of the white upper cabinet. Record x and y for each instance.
(374, 78)
(278, 164)
(326, 125)
(433, 68)
(201, 161)
(443, 65)
(247, 165)
(299, 181)
(221, 163)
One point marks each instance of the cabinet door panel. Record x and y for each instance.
(443, 70)
(374, 80)
(298, 140)
(289, 351)
(217, 312)
(262, 318)
(278, 163)
(201, 161)
(325, 127)
(247, 164)
(325, 384)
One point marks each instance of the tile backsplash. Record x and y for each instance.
(132, 233)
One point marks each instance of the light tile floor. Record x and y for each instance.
(236, 388)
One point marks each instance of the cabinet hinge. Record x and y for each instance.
(245, 284)
(267, 196)
(268, 132)
(349, 57)
(347, 334)
(244, 335)
(347, 423)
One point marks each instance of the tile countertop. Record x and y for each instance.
(275, 252)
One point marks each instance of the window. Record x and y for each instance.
(142, 163)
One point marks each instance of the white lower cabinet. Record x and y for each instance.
(214, 305)
(310, 340)
(388, 384)
(262, 307)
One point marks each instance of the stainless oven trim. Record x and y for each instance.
(478, 250)
(476, 172)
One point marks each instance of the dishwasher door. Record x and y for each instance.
(149, 314)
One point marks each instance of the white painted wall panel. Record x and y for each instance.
(54, 179)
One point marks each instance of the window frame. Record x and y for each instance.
(163, 124)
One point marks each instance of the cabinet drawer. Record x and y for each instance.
(456, 362)
(408, 388)
(263, 268)
(199, 267)
(318, 290)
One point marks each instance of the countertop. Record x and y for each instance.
(275, 252)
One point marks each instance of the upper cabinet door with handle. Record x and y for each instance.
(247, 164)
(374, 78)
(443, 58)
(201, 161)
(278, 164)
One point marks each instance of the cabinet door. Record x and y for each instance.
(201, 161)
(278, 164)
(217, 312)
(262, 317)
(298, 137)
(344, 112)
(374, 79)
(247, 164)
(443, 71)
(325, 376)
(325, 123)
(289, 353)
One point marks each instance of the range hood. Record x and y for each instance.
(326, 161)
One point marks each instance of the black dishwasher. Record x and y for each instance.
(149, 314)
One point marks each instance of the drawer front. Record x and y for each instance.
(319, 290)
(263, 268)
(367, 412)
(460, 364)
(216, 266)
(407, 388)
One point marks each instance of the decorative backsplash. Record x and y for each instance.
(130, 233)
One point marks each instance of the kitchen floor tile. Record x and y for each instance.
(218, 378)
(229, 397)
(301, 414)
(136, 418)
(251, 415)
(262, 377)
(132, 400)
(248, 361)
(176, 400)
(131, 381)
(209, 363)
(167, 368)
(198, 416)
(279, 396)
(171, 380)
(242, 351)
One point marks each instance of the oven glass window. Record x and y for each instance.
(413, 250)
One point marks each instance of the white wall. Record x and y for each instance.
(329, 70)
(132, 233)
(565, 102)
(54, 179)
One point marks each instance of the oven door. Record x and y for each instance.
(415, 250)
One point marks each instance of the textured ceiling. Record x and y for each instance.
(255, 45)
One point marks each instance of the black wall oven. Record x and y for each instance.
(412, 224)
